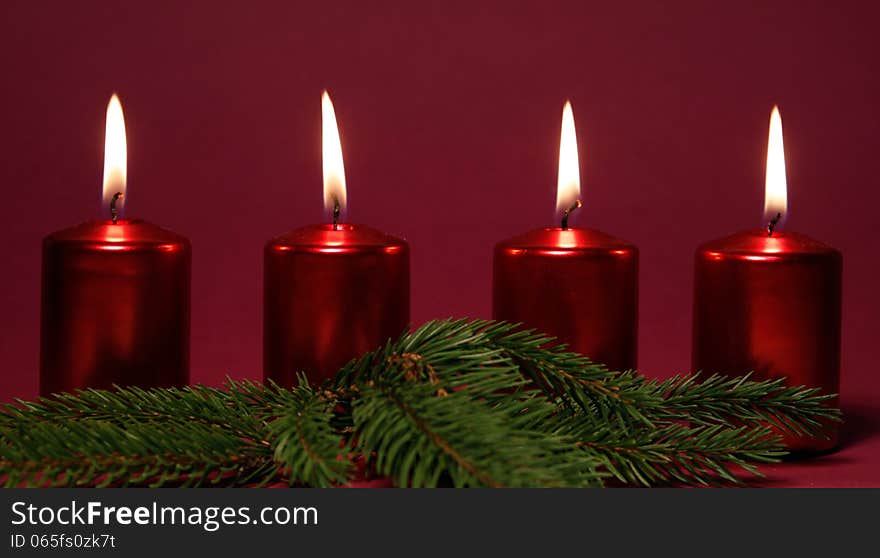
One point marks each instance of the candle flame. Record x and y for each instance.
(334, 169)
(115, 155)
(568, 187)
(775, 188)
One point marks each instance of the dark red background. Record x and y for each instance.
(449, 117)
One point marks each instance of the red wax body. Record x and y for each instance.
(115, 307)
(330, 296)
(578, 285)
(770, 305)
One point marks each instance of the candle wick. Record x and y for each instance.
(576, 205)
(772, 224)
(335, 214)
(114, 213)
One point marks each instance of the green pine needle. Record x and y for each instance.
(305, 443)
(453, 403)
(422, 439)
(101, 453)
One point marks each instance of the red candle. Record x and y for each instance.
(768, 301)
(578, 285)
(332, 291)
(115, 294)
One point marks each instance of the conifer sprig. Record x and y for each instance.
(455, 402)
(423, 439)
(101, 453)
(306, 446)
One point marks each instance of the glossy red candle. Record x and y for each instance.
(770, 304)
(115, 307)
(331, 295)
(578, 285)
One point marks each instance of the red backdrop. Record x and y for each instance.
(449, 118)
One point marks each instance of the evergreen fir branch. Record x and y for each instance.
(450, 351)
(459, 352)
(240, 406)
(673, 453)
(721, 400)
(100, 453)
(461, 402)
(647, 413)
(239, 412)
(570, 378)
(706, 400)
(420, 438)
(305, 443)
(445, 353)
(262, 400)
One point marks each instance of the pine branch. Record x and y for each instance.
(627, 395)
(45, 435)
(719, 400)
(453, 354)
(451, 351)
(646, 415)
(306, 444)
(467, 403)
(673, 453)
(100, 453)
(238, 407)
(420, 438)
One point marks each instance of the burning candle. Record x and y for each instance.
(579, 285)
(332, 291)
(768, 300)
(115, 294)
